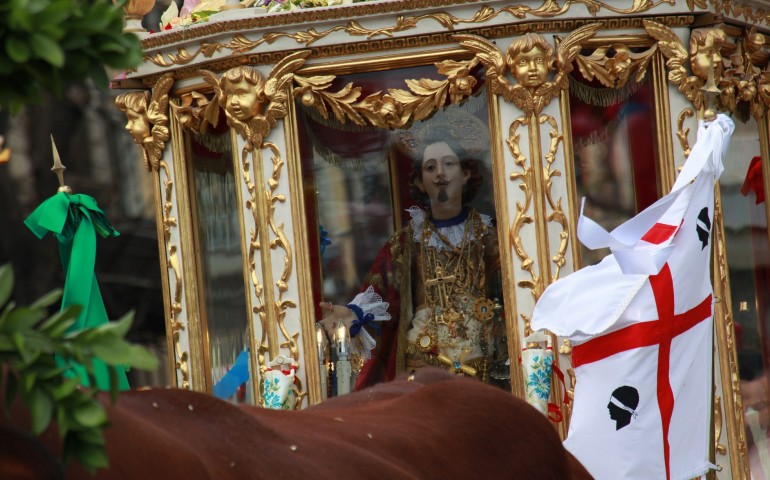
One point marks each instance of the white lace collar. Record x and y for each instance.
(453, 233)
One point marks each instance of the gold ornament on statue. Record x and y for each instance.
(483, 309)
(426, 342)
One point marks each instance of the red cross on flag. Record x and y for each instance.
(641, 325)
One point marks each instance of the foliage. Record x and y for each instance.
(46, 44)
(33, 346)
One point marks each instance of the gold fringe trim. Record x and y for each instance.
(602, 97)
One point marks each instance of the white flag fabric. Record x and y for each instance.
(641, 326)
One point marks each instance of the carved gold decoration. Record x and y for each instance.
(704, 58)
(566, 347)
(733, 9)
(557, 211)
(548, 9)
(529, 59)
(614, 71)
(551, 8)
(172, 262)
(525, 176)
(726, 346)
(142, 115)
(385, 46)
(395, 109)
(196, 112)
(240, 44)
(253, 105)
(718, 447)
(681, 132)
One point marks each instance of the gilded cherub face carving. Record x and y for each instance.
(137, 125)
(530, 68)
(704, 52)
(244, 90)
(134, 105)
(529, 59)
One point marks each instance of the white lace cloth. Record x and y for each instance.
(453, 233)
(369, 301)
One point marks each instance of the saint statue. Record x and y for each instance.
(432, 286)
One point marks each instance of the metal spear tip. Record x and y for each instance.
(58, 168)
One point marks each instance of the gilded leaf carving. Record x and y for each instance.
(395, 108)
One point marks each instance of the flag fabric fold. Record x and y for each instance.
(74, 220)
(641, 326)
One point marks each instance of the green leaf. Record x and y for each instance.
(120, 327)
(58, 323)
(18, 341)
(6, 283)
(90, 414)
(92, 436)
(47, 49)
(40, 410)
(98, 75)
(142, 359)
(92, 457)
(111, 350)
(17, 49)
(66, 388)
(48, 299)
(22, 319)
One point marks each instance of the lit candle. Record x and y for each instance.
(321, 345)
(319, 339)
(343, 341)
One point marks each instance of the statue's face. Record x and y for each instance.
(531, 68)
(706, 56)
(244, 101)
(137, 125)
(443, 177)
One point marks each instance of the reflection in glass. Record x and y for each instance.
(748, 260)
(614, 149)
(360, 185)
(219, 245)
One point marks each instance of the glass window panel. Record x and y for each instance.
(748, 260)
(213, 181)
(358, 192)
(613, 140)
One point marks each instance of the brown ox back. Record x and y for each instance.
(433, 427)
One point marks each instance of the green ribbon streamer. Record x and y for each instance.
(74, 221)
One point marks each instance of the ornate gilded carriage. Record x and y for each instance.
(269, 134)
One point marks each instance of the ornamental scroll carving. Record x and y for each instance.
(148, 122)
(253, 105)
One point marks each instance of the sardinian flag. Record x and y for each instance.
(641, 325)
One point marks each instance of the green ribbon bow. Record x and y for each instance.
(74, 221)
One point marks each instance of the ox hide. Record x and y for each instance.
(436, 426)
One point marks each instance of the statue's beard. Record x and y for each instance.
(442, 196)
